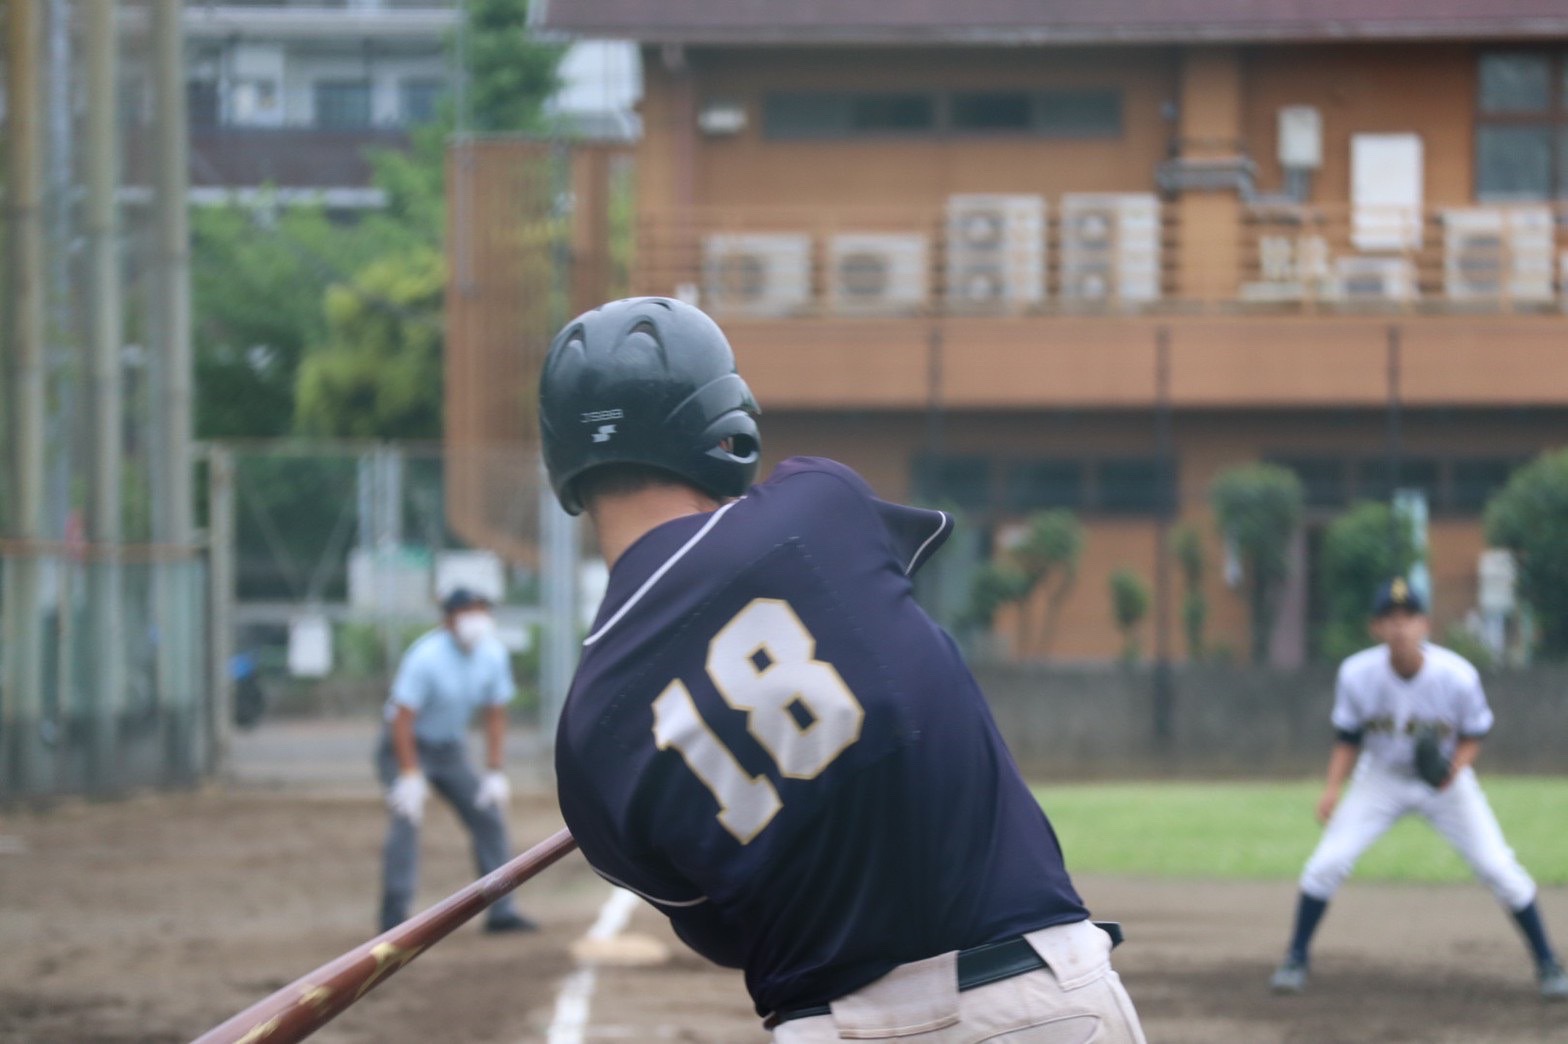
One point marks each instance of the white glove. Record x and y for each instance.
(494, 789)
(407, 796)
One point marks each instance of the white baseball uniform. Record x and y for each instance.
(1372, 700)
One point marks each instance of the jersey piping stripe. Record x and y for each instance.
(659, 572)
(940, 529)
(652, 899)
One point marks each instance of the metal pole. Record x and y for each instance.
(1394, 448)
(220, 545)
(106, 638)
(558, 574)
(1164, 695)
(177, 620)
(24, 330)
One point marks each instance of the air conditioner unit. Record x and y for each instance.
(762, 274)
(995, 252)
(1110, 247)
(1368, 280)
(877, 273)
(1492, 254)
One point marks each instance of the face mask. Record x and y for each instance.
(472, 628)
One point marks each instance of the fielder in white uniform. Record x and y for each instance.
(1382, 697)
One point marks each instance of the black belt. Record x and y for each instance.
(977, 966)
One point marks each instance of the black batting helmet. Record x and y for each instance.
(650, 381)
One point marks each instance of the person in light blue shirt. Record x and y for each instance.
(446, 677)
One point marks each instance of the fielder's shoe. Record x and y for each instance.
(1290, 977)
(510, 923)
(1554, 982)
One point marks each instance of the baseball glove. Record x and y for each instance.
(1431, 765)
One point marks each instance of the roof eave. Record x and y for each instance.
(1324, 32)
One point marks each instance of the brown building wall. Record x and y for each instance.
(1427, 89)
(746, 169)
(882, 446)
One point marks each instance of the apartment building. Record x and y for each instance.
(1010, 256)
(291, 94)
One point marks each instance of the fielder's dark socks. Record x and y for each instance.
(1309, 912)
(1535, 934)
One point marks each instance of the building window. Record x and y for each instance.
(1473, 482)
(1522, 126)
(1322, 479)
(1128, 486)
(1034, 485)
(1058, 113)
(960, 482)
(418, 99)
(201, 104)
(342, 104)
(1078, 114)
(822, 115)
(1419, 473)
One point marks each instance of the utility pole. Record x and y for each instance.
(177, 589)
(24, 356)
(1164, 695)
(104, 301)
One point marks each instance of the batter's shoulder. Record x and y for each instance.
(820, 470)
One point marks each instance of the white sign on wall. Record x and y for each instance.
(1386, 174)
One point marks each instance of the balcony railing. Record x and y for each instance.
(1091, 253)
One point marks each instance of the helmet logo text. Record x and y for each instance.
(604, 433)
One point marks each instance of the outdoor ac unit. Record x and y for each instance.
(877, 273)
(756, 273)
(995, 251)
(1493, 254)
(1110, 247)
(1373, 279)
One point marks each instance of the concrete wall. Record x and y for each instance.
(1097, 724)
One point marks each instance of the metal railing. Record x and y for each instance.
(1093, 253)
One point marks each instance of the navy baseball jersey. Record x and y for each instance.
(771, 741)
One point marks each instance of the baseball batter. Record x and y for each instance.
(771, 742)
(1386, 698)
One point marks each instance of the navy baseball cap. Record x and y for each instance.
(460, 598)
(1396, 594)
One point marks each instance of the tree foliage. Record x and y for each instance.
(1187, 546)
(289, 303)
(1045, 557)
(1259, 507)
(1129, 605)
(1362, 548)
(1530, 518)
(510, 72)
(378, 370)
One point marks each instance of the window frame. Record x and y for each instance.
(943, 125)
(1554, 117)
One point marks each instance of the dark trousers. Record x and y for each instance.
(446, 767)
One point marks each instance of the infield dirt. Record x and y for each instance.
(154, 918)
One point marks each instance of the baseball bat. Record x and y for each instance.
(310, 1002)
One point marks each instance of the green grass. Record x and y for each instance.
(1265, 831)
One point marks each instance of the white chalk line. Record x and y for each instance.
(574, 1001)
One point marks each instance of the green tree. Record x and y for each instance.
(261, 276)
(1258, 507)
(1187, 546)
(1129, 605)
(1048, 555)
(1361, 549)
(510, 72)
(378, 373)
(256, 279)
(1530, 518)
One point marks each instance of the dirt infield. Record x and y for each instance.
(155, 918)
